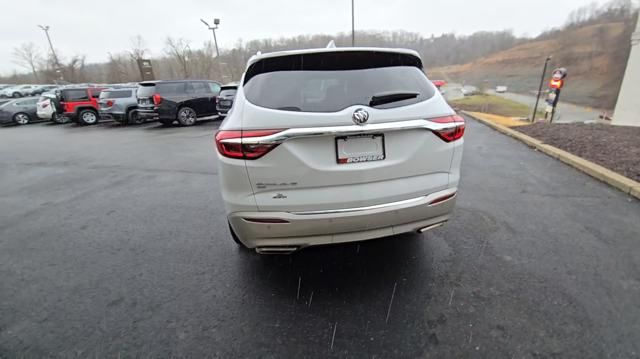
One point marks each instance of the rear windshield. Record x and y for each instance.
(164, 89)
(115, 94)
(333, 81)
(75, 95)
(228, 92)
(335, 90)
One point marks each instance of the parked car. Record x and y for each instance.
(40, 89)
(224, 101)
(469, 90)
(80, 104)
(184, 101)
(17, 91)
(355, 144)
(47, 108)
(19, 111)
(120, 104)
(501, 89)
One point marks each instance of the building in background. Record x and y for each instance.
(627, 112)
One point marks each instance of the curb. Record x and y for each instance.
(612, 178)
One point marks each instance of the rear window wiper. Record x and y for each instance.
(389, 97)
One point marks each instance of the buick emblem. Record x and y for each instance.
(360, 116)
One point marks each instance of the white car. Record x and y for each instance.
(45, 106)
(501, 89)
(17, 91)
(337, 145)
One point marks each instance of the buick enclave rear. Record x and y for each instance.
(337, 145)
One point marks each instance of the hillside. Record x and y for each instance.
(595, 56)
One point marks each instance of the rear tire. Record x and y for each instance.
(16, 95)
(87, 117)
(133, 118)
(59, 119)
(21, 118)
(187, 116)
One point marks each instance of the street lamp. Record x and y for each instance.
(46, 28)
(544, 72)
(353, 24)
(213, 28)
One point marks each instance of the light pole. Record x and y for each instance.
(216, 22)
(544, 72)
(353, 24)
(53, 52)
(213, 28)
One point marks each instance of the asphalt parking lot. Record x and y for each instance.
(113, 243)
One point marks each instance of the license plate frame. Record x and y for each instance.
(372, 157)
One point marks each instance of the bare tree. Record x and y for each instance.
(180, 51)
(27, 56)
(138, 48)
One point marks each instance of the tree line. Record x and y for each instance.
(181, 59)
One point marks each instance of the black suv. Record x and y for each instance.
(185, 101)
(225, 99)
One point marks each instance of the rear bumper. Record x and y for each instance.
(147, 114)
(303, 229)
(105, 115)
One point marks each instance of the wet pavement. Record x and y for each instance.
(113, 243)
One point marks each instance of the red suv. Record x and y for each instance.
(81, 104)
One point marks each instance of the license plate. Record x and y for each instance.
(225, 103)
(360, 148)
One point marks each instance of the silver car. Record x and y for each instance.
(337, 145)
(120, 104)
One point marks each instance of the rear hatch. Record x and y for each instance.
(113, 97)
(356, 130)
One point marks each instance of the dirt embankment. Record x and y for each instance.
(595, 57)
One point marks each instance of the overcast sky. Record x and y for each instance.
(94, 28)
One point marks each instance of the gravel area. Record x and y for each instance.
(614, 147)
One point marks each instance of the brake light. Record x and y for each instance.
(235, 149)
(109, 103)
(453, 133)
(157, 99)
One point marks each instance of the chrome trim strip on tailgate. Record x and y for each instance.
(282, 136)
(357, 209)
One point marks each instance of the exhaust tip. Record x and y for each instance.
(276, 250)
(424, 229)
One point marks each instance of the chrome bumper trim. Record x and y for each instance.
(367, 208)
(288, 134)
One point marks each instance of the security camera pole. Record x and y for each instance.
(45, 28)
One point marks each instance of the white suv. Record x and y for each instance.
(337, 145)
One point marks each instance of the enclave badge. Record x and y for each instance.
(360, 116)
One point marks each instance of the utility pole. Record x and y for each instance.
(353, 24)
(544, 72)
(53, 52)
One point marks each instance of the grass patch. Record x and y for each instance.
(492, 104)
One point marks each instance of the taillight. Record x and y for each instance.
(453, 133)
(157, 99)
(217, 100)
(230, 144)
(109, 103)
